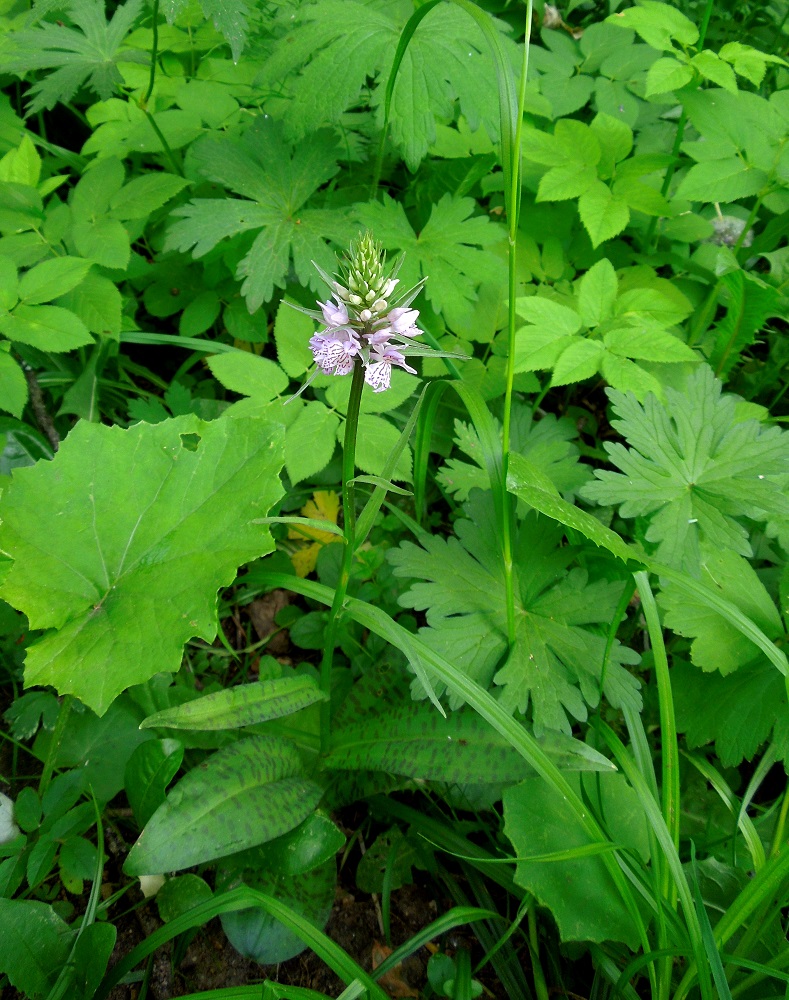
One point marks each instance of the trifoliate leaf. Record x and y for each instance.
(121, 542)
(557, 659)
(450, 251)
(695, 468)
(276, 180)
(86, 54)
(328, 52)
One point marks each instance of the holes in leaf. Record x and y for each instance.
(190, 442)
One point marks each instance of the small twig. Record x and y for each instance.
(39, 408)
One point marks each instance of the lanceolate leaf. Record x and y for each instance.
(275, 180)
(122, 541)
(239, 706)
(243, 796)
(416, 741)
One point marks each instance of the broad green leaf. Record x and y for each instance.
(451, 250)
(717, 644)
(51, 279)
(727, 179)
(92, 953)
(103, 241)
(249, 375)
(537, 348)
(694, 468)
(149, 771)
(259, 935)
(626, 376)
(276, 180)
(310, 441)
(376, 439)
(603, 214)
(648, 342)
(240, 797)
(13, 385)
(579, 361)
(34, 945)
(200, 315)
(180, 894)
(121, 583)
(144, 194)
(539, 821)
(331, 50)
(546, 314)
(597, 293)
(97, 302)
(9, 283)
(86, 54)
(48, 328)
(616, 142)
(292, 332)
(737, 712)
(414, 740)
(713, 68)
(22, 165)
(747, 61)
(239, 706)
(567, 181)
(667, 74)
(658, 24)
(309, 845)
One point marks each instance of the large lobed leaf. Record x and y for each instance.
(122, 541)
(695, 467)
(556, 660)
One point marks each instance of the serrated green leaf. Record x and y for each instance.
(120, 585)
(51, 279)
(239, 706)
(545, 314)
(451, 250)
(603, 213)
(249, 375)
(694, 467)
(414, 740)
(556, 659)
(310, 441)
(567, 181)
(727, 179)
(292, 332)
(13, 385)
(84, 55)
(648, 343)
(34, 945)
(616, 141)
(104, 241)
(144, 194)
(577, 362)
(49, 328)
(736, 712)
(658, 24)
(713, 68)
(597, 293)
(335, 47)
(667, 74)
(717, 645)
(539, 821)
(97, 302)
(240, 797)
(751, 302)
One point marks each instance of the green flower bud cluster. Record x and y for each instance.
(367, 285)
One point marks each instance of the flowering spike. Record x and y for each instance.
(361, 323)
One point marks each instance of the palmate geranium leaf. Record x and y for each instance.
(557, 659)
(451, 251)
(122, 541)
(327, 51)
(275, 179)
(85, 53)
(695, 467)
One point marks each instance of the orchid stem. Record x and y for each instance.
(349, 531)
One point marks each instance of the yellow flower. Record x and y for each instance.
(324, 506)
